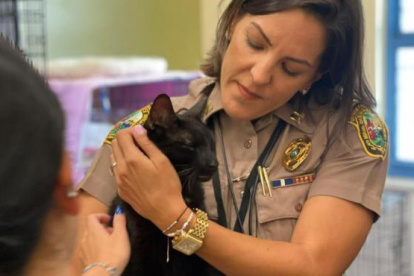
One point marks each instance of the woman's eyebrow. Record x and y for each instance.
(262, 33)
(301, 61)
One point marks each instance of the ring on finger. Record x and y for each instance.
(113, 165)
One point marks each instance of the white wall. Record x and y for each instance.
(210, 13)
(370, 38)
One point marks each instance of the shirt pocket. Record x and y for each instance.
(277, 215)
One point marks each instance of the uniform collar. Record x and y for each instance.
(214, 103)
(296, 118)
(285, 112)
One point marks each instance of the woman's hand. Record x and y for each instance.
(101, 244)
(145, 177)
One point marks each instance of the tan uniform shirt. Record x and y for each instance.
(345, 168)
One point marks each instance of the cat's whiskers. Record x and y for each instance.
(185, 172)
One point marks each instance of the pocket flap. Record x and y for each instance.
(286, 202)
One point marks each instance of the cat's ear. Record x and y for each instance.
(197, 110)
(162, 112)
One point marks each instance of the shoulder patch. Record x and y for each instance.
(372, 131)
(139, 117)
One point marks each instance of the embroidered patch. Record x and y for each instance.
(372, 131)
(296, 153)
(138, 117)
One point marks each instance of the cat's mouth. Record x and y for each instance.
(205, 178)
(207, 174)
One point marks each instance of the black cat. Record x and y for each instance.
(190, 147)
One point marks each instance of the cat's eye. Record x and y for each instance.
(188, 147)
(187, 138)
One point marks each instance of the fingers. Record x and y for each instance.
(103, 218)
(97, 222)
(99, 218)
(115, 169)
(125, 147)
(127, 154)
(125, 141)
(117, 156)
(119, 224)
(147, 146)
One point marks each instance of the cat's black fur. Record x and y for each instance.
(190, 147)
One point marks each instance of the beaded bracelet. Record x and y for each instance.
(185, 225)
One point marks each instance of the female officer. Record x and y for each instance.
(302, 155)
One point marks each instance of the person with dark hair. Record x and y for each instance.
(303, 156)
(38, 204)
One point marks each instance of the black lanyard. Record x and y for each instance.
(251, 182)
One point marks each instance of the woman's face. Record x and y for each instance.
(269, 59)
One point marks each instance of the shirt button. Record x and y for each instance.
(298, 207)
(248, 144)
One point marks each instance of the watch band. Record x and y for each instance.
(189, 242)
(201, 225)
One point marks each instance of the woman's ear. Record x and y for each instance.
(318, 75)
(65, 194)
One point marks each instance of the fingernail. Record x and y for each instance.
(140, 130)
(119, 210)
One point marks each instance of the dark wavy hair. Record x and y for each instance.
(344, 80)
(31, 147)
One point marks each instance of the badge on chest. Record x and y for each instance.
(296, 153)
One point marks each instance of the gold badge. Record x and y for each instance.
(296, 153)
(139, 117)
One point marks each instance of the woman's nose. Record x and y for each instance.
(262, 73)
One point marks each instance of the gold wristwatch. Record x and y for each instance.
(189, 242)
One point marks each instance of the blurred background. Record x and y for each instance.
(105, 59)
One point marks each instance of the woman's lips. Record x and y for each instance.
(246, 93)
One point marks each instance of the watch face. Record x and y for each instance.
(188, 245)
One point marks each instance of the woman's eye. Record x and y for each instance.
(252, 45)
(287, 71)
